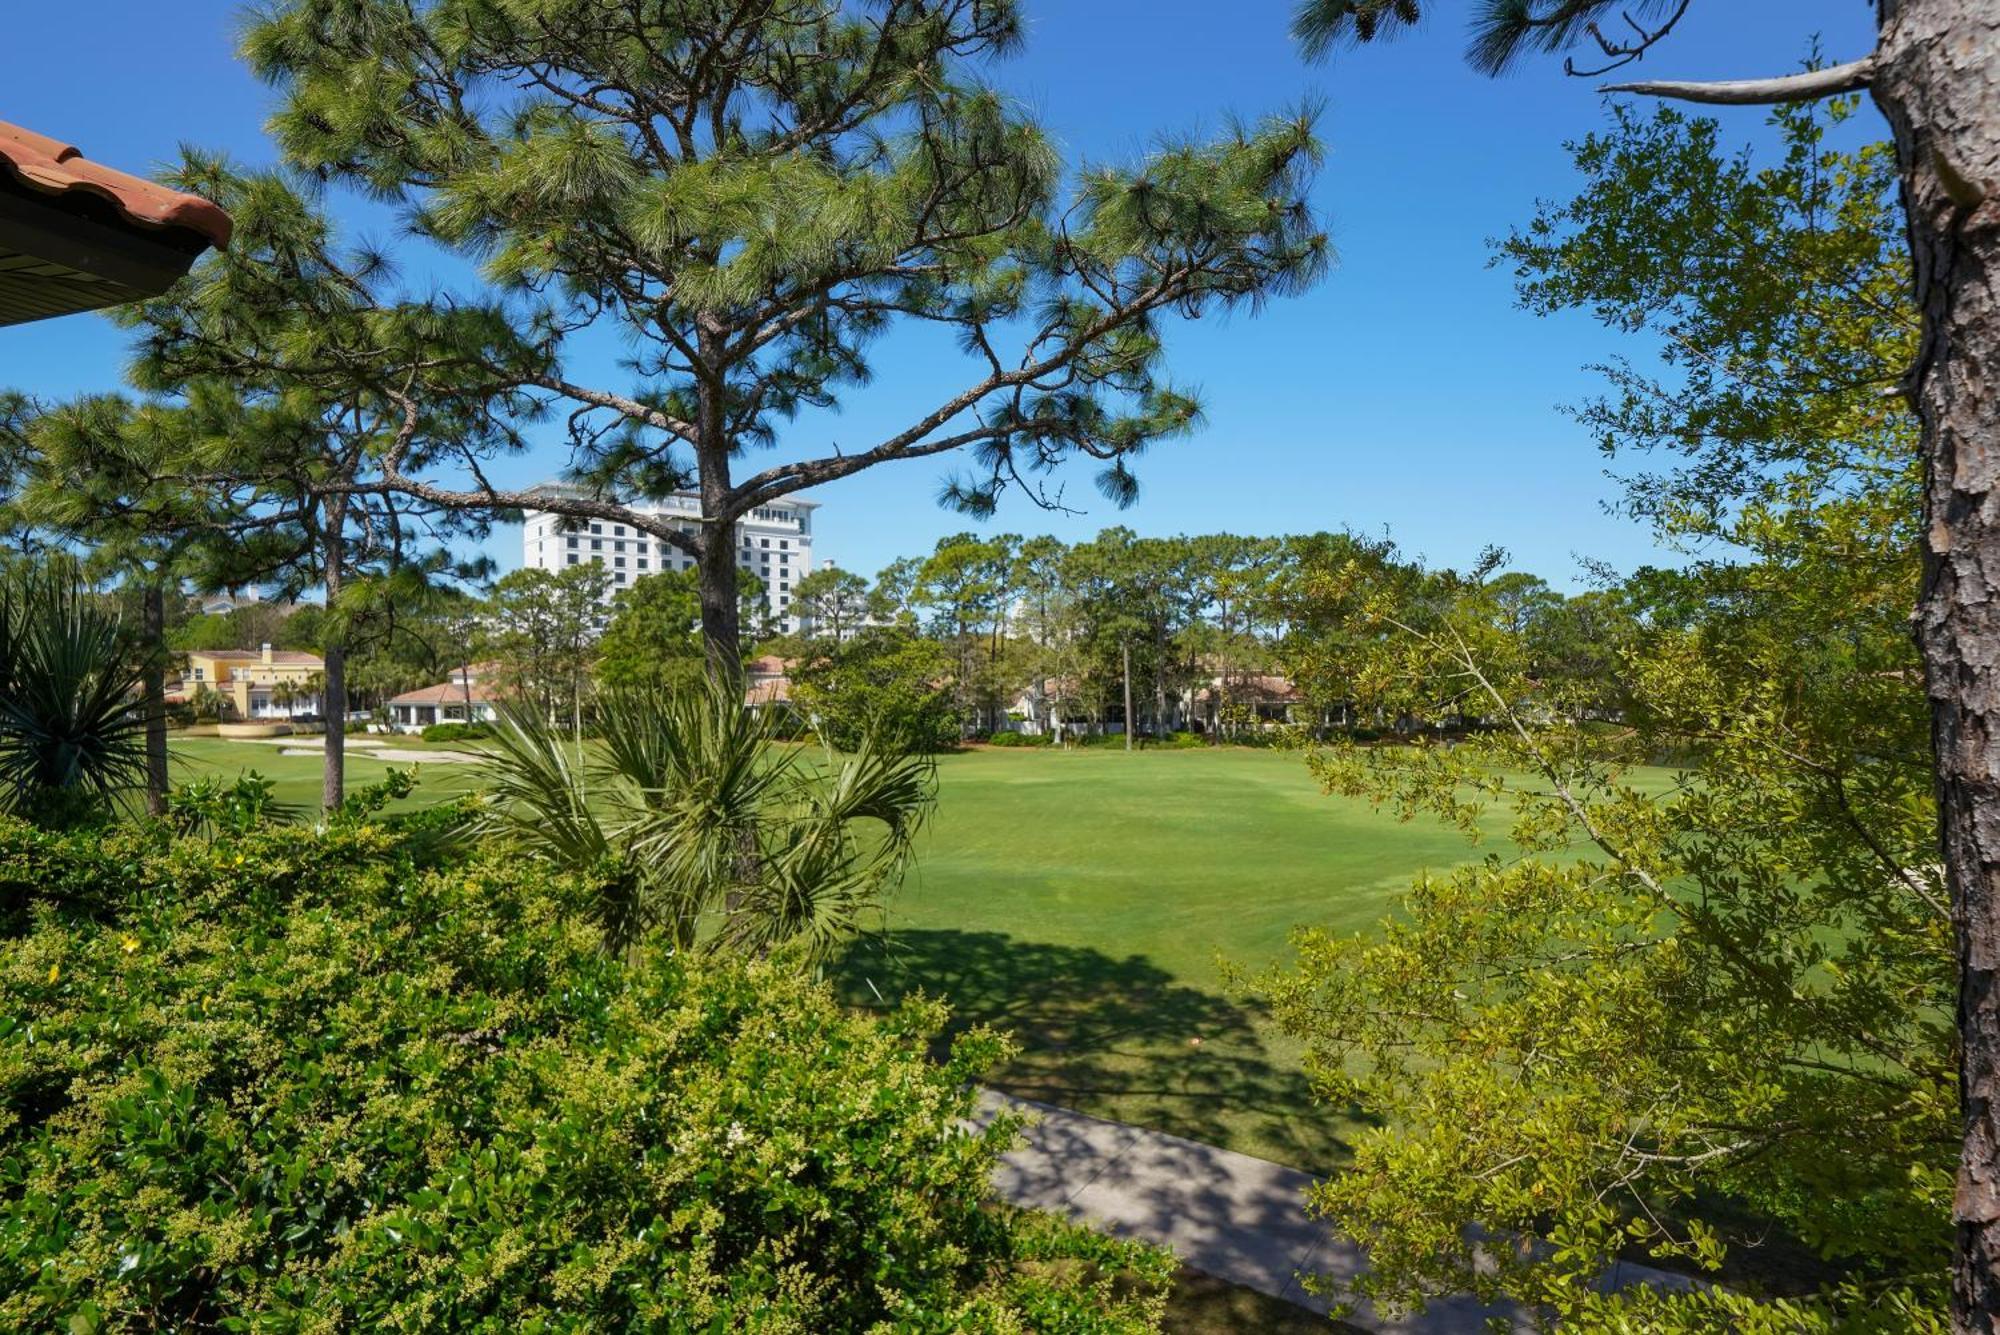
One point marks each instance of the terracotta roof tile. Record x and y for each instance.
(446, 693)
(1266, 689)
(56, 168)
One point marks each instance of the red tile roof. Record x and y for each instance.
(56, 168)
(1261, 690)
(446, 693)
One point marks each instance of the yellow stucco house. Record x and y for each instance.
(261, 683)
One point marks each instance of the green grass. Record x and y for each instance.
(298, 777)
(1200, 1305)
(1085, 901)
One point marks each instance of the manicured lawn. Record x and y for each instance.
(1085, 902)
(298, 777)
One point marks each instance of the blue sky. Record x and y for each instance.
(1405, 393)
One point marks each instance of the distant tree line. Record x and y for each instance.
(1218, 634)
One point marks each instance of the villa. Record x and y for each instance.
(469, 695)
(262, 683)
(1252, 699)
(767, 682)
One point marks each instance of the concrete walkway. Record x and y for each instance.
(1228, 1215)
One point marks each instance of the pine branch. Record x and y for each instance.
(1810, 86)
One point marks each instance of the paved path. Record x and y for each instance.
(1225, 1214)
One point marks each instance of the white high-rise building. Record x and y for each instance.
(773, 542)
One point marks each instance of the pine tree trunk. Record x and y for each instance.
(153, 617)
(1125, 654)
(721, 630)
(333, 783)
(1938, 81)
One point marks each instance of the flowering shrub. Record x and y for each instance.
(294, 1080)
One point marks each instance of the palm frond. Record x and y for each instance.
(697, 821)
(72, 737)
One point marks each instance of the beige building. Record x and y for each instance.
(261, 683)
(469, 695)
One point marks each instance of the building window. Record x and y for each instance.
(597, 544)
(617, 546)
(572, 558)
(597, 528)
(620, 577)
(767, 542)
(619, 530)
(572, 544)
(597, 560)
(784, 542)
(642, 563)
(619, 561)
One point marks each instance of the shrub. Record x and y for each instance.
(1017, 739)
(296, 1081)
(457, 732)
(1183, 741)
(71, 744)
(885, 684)
(689, 820)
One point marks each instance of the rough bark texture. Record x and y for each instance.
(1937, 78)
(721, 633)
(153, 689)
(333, 786)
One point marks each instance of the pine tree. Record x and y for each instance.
(284, 375)
(750, 195)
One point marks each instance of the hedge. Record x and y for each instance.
(457, 732)
(297, 1080)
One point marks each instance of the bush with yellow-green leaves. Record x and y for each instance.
(298, 1080)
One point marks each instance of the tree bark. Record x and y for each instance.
(1937, 79)
(721, 631)
(333, 782)
(1125, 655)
(153, 688)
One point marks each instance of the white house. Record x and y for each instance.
(773, 542)
(465, 698)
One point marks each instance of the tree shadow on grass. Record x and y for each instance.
(1113, 1037)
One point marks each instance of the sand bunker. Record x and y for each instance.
(425, 757)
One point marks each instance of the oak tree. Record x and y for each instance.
(1935, 76)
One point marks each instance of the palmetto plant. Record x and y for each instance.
(72, 737)
(691, 818)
